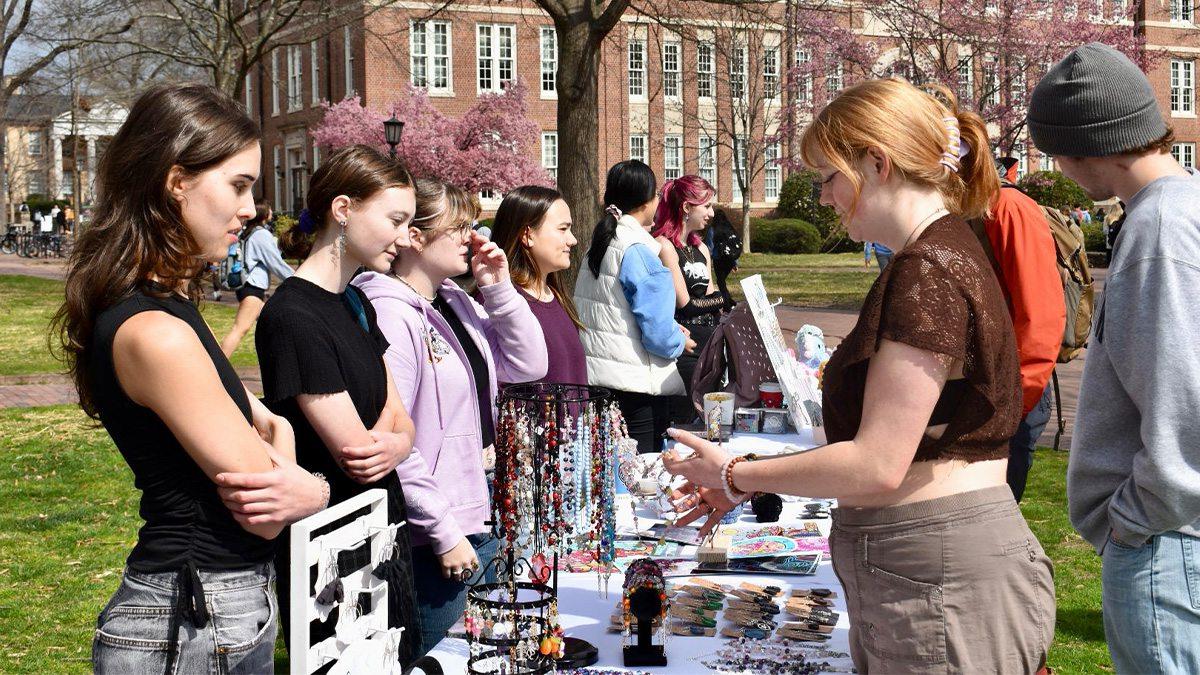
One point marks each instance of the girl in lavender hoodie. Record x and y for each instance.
(447, 354)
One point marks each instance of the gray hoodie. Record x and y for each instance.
(1135, 457)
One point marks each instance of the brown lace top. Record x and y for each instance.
(938, 294)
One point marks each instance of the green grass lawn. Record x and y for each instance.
(28, 303)
(70, 518)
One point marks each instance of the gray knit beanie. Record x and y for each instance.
(1094, 103)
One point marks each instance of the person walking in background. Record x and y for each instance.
(321, 353)
(883, 254)
(726, 247)
(626, 302)
(448, 355)
(1133, 481)
(1023, 254)
(262, 259)
(683, 212)
(533, 226)
(216, 469)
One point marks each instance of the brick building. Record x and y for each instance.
(663, 95)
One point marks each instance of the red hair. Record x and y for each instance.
(676, 193)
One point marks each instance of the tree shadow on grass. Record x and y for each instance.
(1082, 624)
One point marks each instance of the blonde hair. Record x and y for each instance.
(918, 130)
(441, 206)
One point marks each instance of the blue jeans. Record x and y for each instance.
(238, 635)
(1152, 604)
(1024, 442)
(442, 601)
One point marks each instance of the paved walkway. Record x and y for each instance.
(50, 389)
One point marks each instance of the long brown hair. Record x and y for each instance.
(523, 209)
(138, 234)
(356, 171)
(911, 126)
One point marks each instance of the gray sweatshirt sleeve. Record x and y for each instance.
(1152, 301)
(264, 249)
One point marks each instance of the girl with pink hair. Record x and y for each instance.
(683, 212)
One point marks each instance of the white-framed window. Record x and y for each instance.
(672, 157)
(549, 51)
(275, 82)
(737, 72)
(35, 140)
(1183, 86)
(489, 195)
(35, 183)
(1181, 10)
(249, 93)
(704, 70)
(739, 168)
(295, 73)
(1185, 154)
(316, 154)
(833, 79)
(1097, 13)
(1072, 9)
(770, 71)
(966, 78)
(348, 60)
(550, 153)
(637, 147)
(991, 80)
(804, 91)
(314, 71)
(67, 189)
(1022, 152)
(1045, 163)
(707, 157)
(771, 172)
(495, 54)
(1017, 92)
(430, 59)
(670, 66)
(991, 6)
(637, 68)
(277, 172)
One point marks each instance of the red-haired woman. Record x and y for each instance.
(683, 212)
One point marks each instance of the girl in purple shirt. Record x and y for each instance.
(533, 226)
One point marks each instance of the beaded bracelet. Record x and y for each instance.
(731, 492)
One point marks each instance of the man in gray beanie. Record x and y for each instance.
(1133, 483)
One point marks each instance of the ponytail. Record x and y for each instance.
(604, 232)
(981, 182)
(628, 186)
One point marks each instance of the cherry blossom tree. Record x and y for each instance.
(488, 148)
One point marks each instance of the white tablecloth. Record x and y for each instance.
(584, 610)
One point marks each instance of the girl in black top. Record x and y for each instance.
(683, 212)
(173, 196)
(321, 355)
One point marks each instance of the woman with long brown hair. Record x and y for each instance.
(173, 192)
(940, 569)
(533, 226)
(321, 353)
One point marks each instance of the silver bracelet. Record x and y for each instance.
(324, 489)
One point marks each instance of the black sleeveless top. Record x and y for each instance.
(185, 520)
(704, 309)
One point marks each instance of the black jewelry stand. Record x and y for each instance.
(645, 606)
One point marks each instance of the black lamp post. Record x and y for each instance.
(392, 129)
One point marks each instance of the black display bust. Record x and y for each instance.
(645, 605)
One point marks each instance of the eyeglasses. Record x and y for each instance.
(819, 183)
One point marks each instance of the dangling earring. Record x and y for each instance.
(340, 247)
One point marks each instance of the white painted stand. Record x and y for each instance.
(322, 551)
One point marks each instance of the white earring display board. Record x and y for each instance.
(803, 400)
(354, 627)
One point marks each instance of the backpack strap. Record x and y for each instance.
(356, 306)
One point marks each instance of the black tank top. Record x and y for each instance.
(185, 520)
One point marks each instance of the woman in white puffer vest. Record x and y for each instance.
(626, 302)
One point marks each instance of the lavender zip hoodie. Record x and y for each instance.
(443, 479)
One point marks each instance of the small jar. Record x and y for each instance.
(747, 420)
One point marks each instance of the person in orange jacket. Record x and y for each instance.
(1025, 256)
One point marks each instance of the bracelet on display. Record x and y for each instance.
(324, 489)
(692, 630)
(752, 633)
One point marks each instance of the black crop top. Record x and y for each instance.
(185, 520)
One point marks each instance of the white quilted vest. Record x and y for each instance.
(612, 340)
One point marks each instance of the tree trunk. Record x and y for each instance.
(746, 221)
(578, 132)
